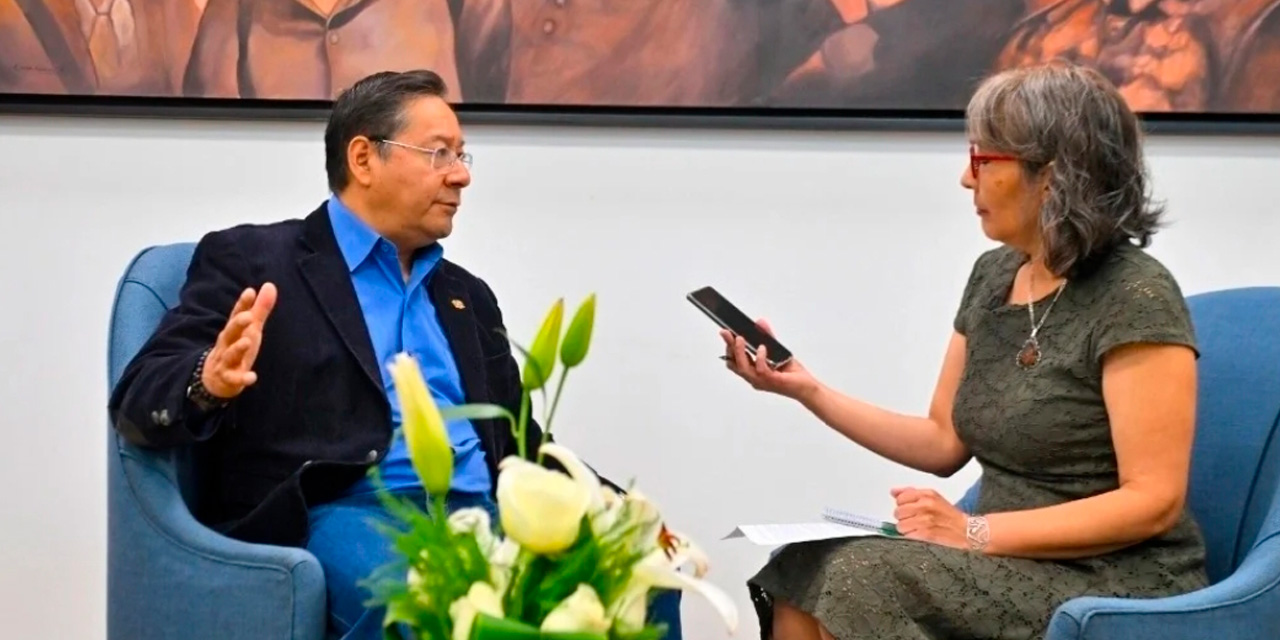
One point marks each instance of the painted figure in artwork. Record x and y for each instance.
(890, 53)
(639, 52)
(313, 49)
(725, 52)
(126, 47)
(1251, 66)
(1164, 55)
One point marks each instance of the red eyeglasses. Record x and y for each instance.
(976, 159)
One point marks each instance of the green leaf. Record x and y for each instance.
(577, 338)
(651, 632)
(447, 564)
(490, 628)
(478, 411)
(542, 353)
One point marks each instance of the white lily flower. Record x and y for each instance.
(540, 509)
(475, 521)
(638, 509)
(480, 598)
(685, 550)
(585, 477)
(660, 571)
(502, 562)
(608, 515)
(582, 611)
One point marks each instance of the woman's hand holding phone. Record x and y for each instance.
(790, 380)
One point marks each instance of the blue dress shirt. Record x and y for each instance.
(401, 318)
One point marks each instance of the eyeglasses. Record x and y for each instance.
(976, 159)
(442, 159)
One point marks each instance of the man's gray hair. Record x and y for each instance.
(1071, 120)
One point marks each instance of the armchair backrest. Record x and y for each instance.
(1235, 466)
(148, 288)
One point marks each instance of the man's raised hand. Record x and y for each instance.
(229, 367)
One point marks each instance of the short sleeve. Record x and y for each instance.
(977, 278)
(1144, 308)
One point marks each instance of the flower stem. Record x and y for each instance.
(522, 426)
(441, 508)
(551, 414)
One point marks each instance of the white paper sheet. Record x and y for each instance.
(779, 534)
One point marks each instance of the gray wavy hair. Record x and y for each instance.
(1073, 121)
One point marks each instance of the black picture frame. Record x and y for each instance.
(748, 118)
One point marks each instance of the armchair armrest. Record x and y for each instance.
(1243, 605)
(169, 572)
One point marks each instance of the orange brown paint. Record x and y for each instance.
(1183, 55)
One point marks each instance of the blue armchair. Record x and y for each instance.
(1233, 493)
(167, 574)
(170, 576)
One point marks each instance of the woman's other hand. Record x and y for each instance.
(923, 514)
(791, 380)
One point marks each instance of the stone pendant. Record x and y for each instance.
(1030, 354)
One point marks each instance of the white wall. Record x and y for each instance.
(856, 245)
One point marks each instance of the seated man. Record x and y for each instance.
(274, 359)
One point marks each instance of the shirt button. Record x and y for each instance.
(373, 455)
(333, 38)
(549, 26)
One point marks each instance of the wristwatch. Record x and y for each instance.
(977, 533)
(196, 392)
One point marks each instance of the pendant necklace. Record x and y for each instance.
(1029, 355)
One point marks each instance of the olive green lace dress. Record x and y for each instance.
(1042, 437)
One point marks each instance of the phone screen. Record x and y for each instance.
(730, 317)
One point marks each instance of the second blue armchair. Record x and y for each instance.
(1233, 492)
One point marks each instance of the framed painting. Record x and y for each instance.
(1201, 64)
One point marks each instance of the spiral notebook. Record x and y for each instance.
(835, 523)
(860, 522)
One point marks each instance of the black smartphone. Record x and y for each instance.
(725, 314)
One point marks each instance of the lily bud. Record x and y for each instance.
(582, 611)
(424, 431)
(628, 611)
(539, 508)
(542, 353)
(480, 598)
(577, 338)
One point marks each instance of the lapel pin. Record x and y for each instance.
(458, 304)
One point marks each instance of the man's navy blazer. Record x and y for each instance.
(318, 417)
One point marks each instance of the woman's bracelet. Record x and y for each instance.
(977, 533)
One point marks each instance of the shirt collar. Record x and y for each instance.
(355, 237)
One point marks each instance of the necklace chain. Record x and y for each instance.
(1029, 355)
(1031, 302)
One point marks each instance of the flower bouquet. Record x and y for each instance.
(571, 560)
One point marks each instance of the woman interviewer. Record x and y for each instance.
(1070, 376)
